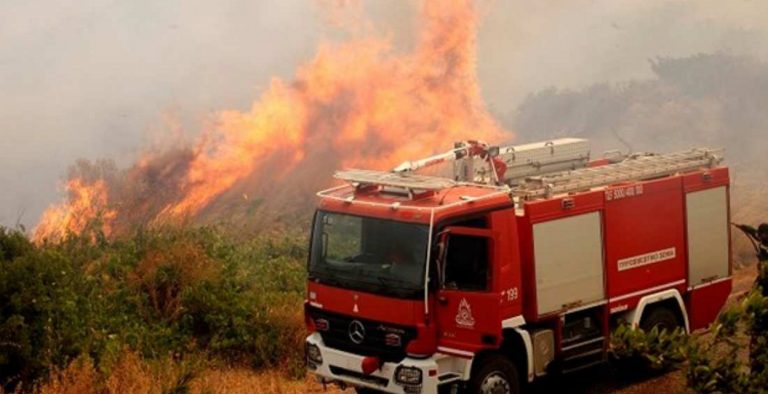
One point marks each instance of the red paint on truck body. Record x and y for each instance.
(644, 250)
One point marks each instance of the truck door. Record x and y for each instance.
(468, 308)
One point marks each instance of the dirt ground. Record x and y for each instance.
(606, 379)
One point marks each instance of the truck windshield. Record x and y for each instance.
(367, 254)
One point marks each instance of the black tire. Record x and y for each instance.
(494, 375)
(661, 316)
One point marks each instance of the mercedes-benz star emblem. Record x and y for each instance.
(356, 332)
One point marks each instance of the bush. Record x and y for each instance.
(13, 243)
(716, 360)
(160, 292)
(717, 363)
(655, 350)
(46, 306)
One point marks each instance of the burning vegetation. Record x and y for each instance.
(85, 203)
(356, 103)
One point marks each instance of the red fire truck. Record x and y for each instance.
(517, 264)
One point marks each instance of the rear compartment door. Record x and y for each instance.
(708, 236)
(568, 256)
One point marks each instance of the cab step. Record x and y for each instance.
(583, 354)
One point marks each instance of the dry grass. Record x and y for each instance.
(131, 375)
(78, 377)
(245, 381)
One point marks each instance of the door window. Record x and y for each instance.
(466, 263)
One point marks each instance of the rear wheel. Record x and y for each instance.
(495, 375)
(661, 316)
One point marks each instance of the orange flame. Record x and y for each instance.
(356, 104)
(86, 203)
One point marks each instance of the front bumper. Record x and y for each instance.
(346, 367)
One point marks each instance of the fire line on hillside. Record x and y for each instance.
(356, 103)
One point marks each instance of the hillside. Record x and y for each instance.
(715, 100)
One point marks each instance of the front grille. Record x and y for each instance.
(375, 341)
(359, 376)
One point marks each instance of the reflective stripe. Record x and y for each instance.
(646, 291)
(709, 283)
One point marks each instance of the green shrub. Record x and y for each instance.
(13, 243)
(717, 361)
(46, 306)
(655, 350)
(159, 292)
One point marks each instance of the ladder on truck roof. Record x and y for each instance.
(477, 162)
(518, 162)
(407, 181)
(634, 168)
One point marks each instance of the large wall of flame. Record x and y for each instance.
(357, 103)
(86, 79)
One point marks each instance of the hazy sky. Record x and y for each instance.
(91, 78)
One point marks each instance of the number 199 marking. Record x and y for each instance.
(510, 294)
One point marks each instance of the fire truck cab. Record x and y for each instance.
(518, 266)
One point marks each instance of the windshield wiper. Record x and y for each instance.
(389, 281)
(328, 274)
(324, 280)
(397, 287)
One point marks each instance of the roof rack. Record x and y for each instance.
(634, 168)
(408, 181)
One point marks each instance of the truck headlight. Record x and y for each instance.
(313, 354)
(408, 375)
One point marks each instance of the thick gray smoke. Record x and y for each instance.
(105, 78)
(714, 100)
(95, 78)
(525, 46)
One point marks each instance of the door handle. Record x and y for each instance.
(442, 300)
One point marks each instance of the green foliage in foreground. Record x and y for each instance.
(716, 361)
(170, 291)
(657, 350)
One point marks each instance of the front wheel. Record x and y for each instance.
(496, 375)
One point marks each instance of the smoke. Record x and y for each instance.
(99, 78)
(714, 100)
(358, 102)
(94, 78)
(528, 46)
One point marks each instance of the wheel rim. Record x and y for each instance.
(495, 383)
